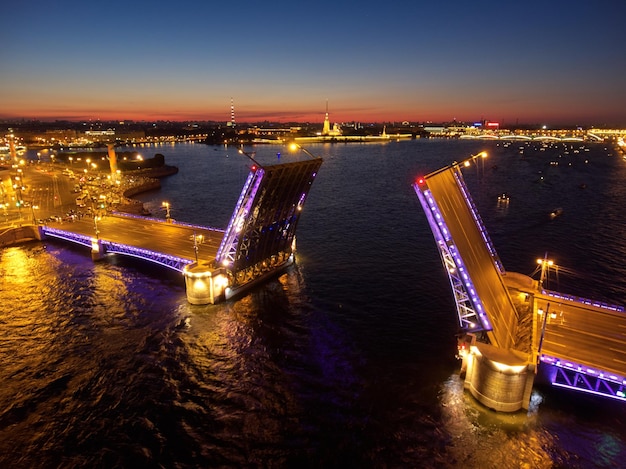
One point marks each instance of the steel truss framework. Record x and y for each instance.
(583, 378)
(469, 307)
(67, 235)
(171, 262)
(261, 231)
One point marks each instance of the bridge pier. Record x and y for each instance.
(499, 379)
(204, 284)
(97, 250)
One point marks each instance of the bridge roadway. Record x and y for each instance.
(476, 256)
(583, 334)
(148, 233)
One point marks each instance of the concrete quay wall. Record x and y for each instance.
(18, 235)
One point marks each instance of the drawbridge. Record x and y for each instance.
(574, 343)
(470, 259)
(261, 231)
(258, 242)
(260, 238)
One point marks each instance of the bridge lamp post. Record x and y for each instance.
(95, 225)
(294, 146)
(166, 205)
(32, 210)
(545, 264)
(250, 156)
(197, 238)
(473, 158)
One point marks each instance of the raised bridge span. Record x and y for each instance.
(217, 264)
(572, 342)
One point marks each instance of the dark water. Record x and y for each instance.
(346, 360)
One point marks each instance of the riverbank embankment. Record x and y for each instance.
(134, 182)
(139, 181)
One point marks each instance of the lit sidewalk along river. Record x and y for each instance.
(514, 327)
(217, 264)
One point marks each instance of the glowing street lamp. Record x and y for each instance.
(250, 156)
(5, 206)
(294, 146)
(166, 205)
(32, 210)
(472, 158)
(545, 264)
(95, 225)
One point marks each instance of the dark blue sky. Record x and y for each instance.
(536, 62)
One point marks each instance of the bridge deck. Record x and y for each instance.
(583, 336)
(582, 333)
(146, 233)
(476, 256)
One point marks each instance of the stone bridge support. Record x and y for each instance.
(499, 379)
(204, 283)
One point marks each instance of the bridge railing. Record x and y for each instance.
(160, 220)
(77, 238)
(470, 310)
(566, 374)
(584, 301)
(166, 260)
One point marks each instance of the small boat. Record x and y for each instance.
(557, 212)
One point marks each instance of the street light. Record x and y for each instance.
(95, 225)
(195, 243)
(166, 205)
(249, 155)
(294, 146)
(5, 206)
(482, 154)
(545, 264)
(32, 209)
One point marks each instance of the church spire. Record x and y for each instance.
(326, 128)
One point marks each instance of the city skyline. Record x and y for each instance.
(558, 63)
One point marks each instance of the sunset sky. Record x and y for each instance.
(552, 62)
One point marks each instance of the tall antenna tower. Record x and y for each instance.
(232, 113)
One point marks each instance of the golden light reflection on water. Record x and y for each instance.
(484, 438)
(17, 267)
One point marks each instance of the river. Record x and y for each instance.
(345, 360)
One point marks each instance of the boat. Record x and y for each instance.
(557, 212)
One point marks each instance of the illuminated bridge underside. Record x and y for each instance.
(260, 235)
(580, 377)
(482, 299)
